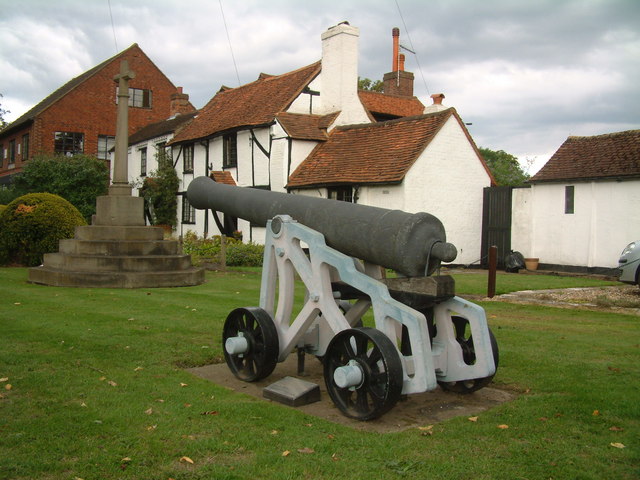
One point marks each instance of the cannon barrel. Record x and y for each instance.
(404, 242)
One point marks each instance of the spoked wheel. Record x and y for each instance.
(251, 346)
(464, 338)
(363, 373)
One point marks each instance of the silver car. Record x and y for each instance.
(629, 263)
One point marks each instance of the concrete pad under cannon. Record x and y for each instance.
(413, 411)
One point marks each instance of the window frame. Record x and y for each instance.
(110, 142)
(66, 139)
(342, 193)
(138, 97)
(187, 158)
(143, 161)
(569, 199)
(25, 147)
(230, 150)
(188, 211)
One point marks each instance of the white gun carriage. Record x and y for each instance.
(424, 334)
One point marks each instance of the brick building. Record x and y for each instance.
(80, 116)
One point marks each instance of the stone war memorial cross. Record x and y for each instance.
(117, 250)
(119, 207)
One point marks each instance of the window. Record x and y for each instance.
(25, 147)
(143, 162)
(188, 211)
(12, 152)
(569, 192)
(105, 143)
(341, 193)
(229, 151)
(138, 97)
(187, 157)
(68, 143)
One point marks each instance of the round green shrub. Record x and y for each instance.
(33, 224)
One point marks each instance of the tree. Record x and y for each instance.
(80, 179)
(160, 191)
(505, 167)
(370, 85)
(3, 112)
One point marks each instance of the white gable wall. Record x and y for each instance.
(606, 218)
(447, 181)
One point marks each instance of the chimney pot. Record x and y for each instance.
(396, 48)
(401, 63)
(437, 98)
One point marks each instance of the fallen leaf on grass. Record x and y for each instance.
(335, 457)
(137, 369)
(4, 379)
(274, 432)
(503, 427)
(8, 386)
(184, 384)
(473, 419)
(306, 450)
(617, 445)
(112, 383)
(210, 412)
(616, 429)
(286, 453)
(543, 419)
(596, 413)
(614, 369)
(83, 404)
(186, 460)
(152, 427)
(126, 459)
(102, 379)
(149, 411)
(428, 427)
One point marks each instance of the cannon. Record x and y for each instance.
(424, 334)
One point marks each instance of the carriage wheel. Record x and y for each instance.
(363, 373)
(464, 338)
(251, 346)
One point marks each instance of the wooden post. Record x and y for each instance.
(493, 262)
(223, 253)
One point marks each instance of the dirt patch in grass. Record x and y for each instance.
(622, 299)
(413, 411)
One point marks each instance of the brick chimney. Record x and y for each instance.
(180, 103)
(397, 81)
(339, 77)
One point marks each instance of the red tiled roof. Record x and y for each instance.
(397, 106)
(375, 153)
(613, 155)
(223, 177)
(161, 128)
(306, 127)
(253, 104)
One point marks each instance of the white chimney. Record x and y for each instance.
(339, 87)
(437, 104)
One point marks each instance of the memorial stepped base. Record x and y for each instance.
(117, 257)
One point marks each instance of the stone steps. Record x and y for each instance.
(116, 256)
(46, 275)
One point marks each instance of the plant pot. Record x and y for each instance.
(531, 263)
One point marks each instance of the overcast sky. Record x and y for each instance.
(526, 74)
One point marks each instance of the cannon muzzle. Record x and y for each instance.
(412, 244)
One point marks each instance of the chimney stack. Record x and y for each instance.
(180, 103)
(397, 81)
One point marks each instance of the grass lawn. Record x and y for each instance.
(92, 387)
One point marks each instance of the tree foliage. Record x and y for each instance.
(505, 167)
(160, 191)
(370, 85)
(3, 112)
(80, 179)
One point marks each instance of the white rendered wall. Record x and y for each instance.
(521, 225)
(448, 181)
(606, 218)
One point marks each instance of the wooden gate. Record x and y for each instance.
(496, 223)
